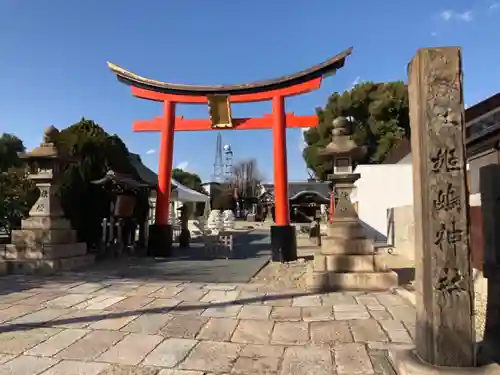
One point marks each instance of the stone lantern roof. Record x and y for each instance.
(47, 149)
(342, 144)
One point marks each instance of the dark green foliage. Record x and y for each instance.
(17, 193)
(94, 152)
(10, 145)
(381, 119)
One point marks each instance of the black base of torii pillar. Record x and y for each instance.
(283, 243)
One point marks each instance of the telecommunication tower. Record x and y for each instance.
(228, 165)
(218, 173)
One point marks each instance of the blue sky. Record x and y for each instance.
(53, 57)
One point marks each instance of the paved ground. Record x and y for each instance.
(251, 252)
(89, 324)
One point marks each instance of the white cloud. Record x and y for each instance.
(434, 33)
(448, 15)
(464, 16)
(182, 165)
(494, 6)
(302, 141)
(150, 151)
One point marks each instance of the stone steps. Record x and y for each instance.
(33, 237)
(371, 281)
(45, 266)
(345, 230)
(17, 251)
(349, 263)
(353, 246)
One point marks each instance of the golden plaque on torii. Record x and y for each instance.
(219, 109)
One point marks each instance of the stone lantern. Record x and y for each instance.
(344, 153)
(347, 259)
(45, 241)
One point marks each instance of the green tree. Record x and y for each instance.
(94, 152)
(17, 193)
(10, 146)
(379, 112)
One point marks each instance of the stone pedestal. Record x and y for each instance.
(347, 261)
(44, 245)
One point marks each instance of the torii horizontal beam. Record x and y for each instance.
(266, 122)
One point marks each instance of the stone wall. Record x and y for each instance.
(400, 234)
(400, 230)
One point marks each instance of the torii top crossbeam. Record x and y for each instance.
(219, 99)
(317, 71)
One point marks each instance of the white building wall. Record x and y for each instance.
(382, 187)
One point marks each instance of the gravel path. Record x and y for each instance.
(288, 275)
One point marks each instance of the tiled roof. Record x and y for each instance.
(294, 188)
(146, 174)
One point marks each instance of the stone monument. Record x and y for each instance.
(347, 259)
(445, 335)
(45, 242)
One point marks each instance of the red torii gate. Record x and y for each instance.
(219, 99)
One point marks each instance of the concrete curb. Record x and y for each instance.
(260, 269)
(407, 295)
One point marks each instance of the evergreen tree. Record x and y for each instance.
(379, 112)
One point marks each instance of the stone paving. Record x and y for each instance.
(88, 324)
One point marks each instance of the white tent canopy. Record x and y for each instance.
(184, 194)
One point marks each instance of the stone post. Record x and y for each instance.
(444, 286)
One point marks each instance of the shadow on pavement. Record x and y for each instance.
(155, 310)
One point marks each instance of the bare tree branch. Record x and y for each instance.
(246, 177)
